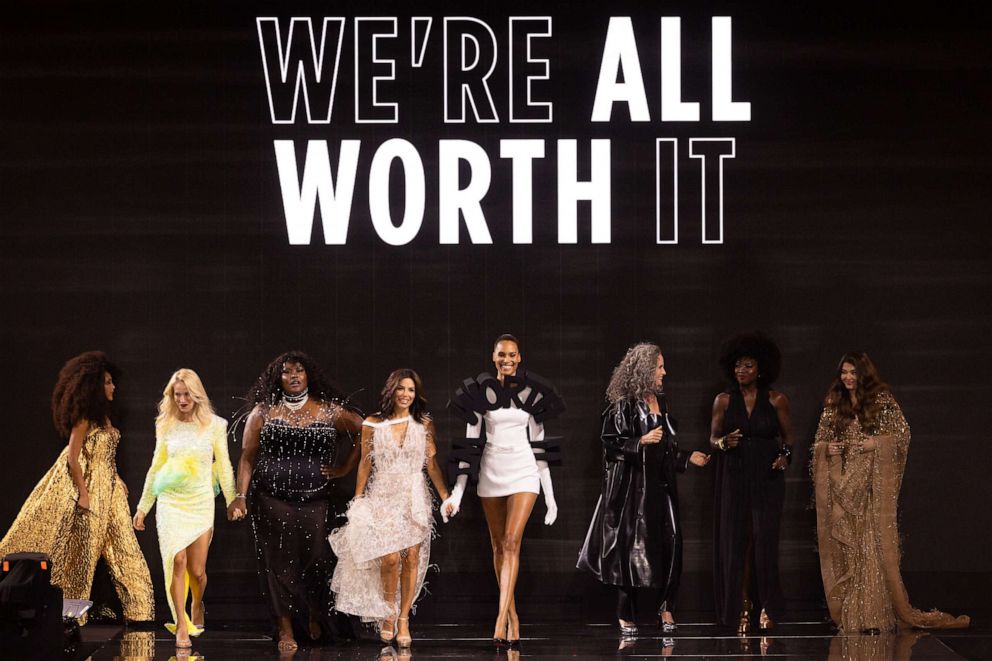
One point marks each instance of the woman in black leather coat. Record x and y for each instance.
(635, 539)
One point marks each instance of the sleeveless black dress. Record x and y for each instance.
(291, 516)
(749, 497)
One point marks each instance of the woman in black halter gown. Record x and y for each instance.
(751, 433)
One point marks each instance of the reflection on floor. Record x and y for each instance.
(798, 640)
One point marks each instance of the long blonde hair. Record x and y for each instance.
(168, 412)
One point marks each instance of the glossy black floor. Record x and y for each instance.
(793, 640)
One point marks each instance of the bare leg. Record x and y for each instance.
(287, 643)
(408, 585)
(196, 561)
(178, 589)
(495, 511)
(513, 620)
(518, 509)
(389, 570)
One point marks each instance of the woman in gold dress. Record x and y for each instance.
(78, 512)
(190, 458)
(859, 456)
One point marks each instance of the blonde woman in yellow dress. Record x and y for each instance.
(190, 457)
(78, 512)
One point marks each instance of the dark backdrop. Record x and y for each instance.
(141, 215)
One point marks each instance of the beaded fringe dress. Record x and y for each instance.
(393, 515)
(289, 505)
(187, 464)
(50, 523)
(857, 496)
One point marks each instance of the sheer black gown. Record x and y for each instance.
(291, 516)
(635, 537)
(748, 504)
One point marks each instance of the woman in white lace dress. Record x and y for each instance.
(384, 549)
(190, 462)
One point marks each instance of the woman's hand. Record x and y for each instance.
(835, 448)
(733, 439)
(699, 459)
(332, 472)
(139, 521)
(652, 437)
(780, 463)
(868, 444)
(237, 509)
(83, 502)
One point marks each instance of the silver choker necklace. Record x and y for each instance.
(296, 402)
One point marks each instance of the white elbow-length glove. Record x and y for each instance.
(455, 499)
(549, 492)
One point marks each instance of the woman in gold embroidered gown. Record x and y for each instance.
(78, 512)
(190, 458)
(859, 456)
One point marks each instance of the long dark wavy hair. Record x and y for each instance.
(755, 345)
(268, 386)
(79, 393)
(870, 385)
(418, 409)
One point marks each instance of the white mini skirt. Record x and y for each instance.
(504, 471)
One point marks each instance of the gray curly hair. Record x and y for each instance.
(634, 378)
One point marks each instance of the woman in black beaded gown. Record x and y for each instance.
(751, 431)
(292, 432)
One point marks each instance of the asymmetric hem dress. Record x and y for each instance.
(187, 464)
(393, 515)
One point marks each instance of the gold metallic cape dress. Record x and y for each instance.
(857, 496)
(49, 522)
(188, 461)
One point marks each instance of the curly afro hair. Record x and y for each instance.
(79, 393)
(268, 386)
(752, 345)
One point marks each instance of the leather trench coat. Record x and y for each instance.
(634, 538)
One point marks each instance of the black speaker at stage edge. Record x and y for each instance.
(30, 608)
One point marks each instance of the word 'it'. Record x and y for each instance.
(460, 198)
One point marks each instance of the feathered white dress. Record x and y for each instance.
(393, 515)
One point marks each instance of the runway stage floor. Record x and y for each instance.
(792, 640)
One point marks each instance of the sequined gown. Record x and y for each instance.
(393, 515)
(857, 496)
(49, 522)
(291, 515)
(187, 462)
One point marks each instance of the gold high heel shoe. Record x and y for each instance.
(765, 623)
(744, 625)
(387, 635)
(404, 641)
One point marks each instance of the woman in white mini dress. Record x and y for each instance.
(387, 539)
(513, 467)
